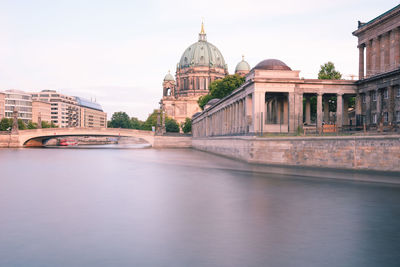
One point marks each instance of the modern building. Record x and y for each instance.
(91, 113)
(271, 100)
(41, 109)
(19, 100)
(2, 104)
(379, 69)
(65, 111)
(200, 64)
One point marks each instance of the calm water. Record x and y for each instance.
(147, 207)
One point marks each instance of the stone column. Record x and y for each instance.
(367, 107)
(299, 110)
(386, 61)
(345, 111)
(378, 104)
(361, 62)
(308, 110)
(339, 110)
(378, 67)
(368, 57)
(358, 108)
(391, 112)
(292, 113)
(396, 48)
(326, 109)
(319, 112)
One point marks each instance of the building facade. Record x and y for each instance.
(2, 104)
(42, 110)
(200, 64)
(91, 114)
(64, 111)
(379, 69)
(271, 101)
(19, 100)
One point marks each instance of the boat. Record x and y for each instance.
(67, 142)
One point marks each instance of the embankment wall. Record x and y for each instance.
(380, 153)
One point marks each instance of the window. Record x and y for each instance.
(398, 92)
(385, 93)
(398, 116)
(374, 118)
(373, 95)
(386, 117)
(364, 98)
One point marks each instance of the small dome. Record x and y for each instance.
(271, 64)
(169, 77)
(242, 66)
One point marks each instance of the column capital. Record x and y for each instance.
(339, 94)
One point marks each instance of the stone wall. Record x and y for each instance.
(381, 153)
(172, 142)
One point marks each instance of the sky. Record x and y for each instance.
(118, 52)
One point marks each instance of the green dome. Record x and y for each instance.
(202, 53)
(242, 66)
(169, 77)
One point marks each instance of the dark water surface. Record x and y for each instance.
(148, 207)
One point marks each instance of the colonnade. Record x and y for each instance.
(382, 53)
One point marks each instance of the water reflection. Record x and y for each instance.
(148, 207)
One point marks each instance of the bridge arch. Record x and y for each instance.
(36, 137)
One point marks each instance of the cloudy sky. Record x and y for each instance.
(119, 51)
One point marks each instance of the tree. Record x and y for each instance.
(171, 125)
(32, 125)
(120, 120)
(150, 121)
(221, 88)
(328, 72)
(21, 125)
(187, 125)
(5, 124)
(136, 123)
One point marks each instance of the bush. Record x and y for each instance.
(187, 126)
(171, 125)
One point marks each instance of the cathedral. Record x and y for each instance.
(200, 65)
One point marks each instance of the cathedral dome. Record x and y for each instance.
(169, 77)
(271, 64)
(202, 53)
(242, 66)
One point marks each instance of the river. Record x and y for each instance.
(149, 207)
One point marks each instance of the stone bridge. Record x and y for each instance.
(38, 137)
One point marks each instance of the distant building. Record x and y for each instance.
(2, 104)
(65, 111)
(379, 72)
(91, 113)
(19, 100)
(41, 109)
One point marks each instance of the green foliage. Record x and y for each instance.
(221, 88)
(32, 125)
(5, 124)
(171, 125)
(136, 123)
(21, 125)
(150, 121)
(120, 120)
(328, 72)
(187, 125)
(46, 124)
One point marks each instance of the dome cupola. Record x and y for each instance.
(202, 53)
(169, 77)
(242, 66)
(271, 64)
